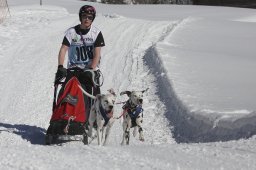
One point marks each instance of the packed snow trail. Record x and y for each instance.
(36, 45)
(123, 68)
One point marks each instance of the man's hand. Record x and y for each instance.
(61, 73)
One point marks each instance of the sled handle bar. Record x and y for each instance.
(80, 70)
(93, 76)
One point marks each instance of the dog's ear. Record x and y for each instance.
(143, 91)
(126, 92)
(111, 91)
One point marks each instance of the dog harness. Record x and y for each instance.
(105, 115)
(134, 113)
(133, 110)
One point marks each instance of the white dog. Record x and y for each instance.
(101, 112)
(133, 115)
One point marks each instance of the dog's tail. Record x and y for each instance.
(87, 94)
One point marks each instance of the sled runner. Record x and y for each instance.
(69, 116)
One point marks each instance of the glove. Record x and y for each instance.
(61, 73)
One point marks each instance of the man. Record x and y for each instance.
(83, 43)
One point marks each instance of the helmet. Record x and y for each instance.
(87, 9)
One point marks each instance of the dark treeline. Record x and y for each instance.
(233, 3)
(147, 1)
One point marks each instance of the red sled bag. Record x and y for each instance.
(69, 113)
(70, 104)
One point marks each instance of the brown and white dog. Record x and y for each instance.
(101, 112)
(133, 115)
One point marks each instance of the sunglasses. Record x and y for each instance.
(87, 17)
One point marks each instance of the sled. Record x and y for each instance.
(69, 117)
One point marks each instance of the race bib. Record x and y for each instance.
(79, 55)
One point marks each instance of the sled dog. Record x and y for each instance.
(102, 113)
(133, 115)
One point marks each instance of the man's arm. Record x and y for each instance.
(62, 53)
(96, 57)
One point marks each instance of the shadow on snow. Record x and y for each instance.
(33, 134)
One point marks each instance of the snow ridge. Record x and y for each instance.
(194, 126)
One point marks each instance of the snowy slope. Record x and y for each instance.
(29, 44)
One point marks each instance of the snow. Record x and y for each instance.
(197, 61)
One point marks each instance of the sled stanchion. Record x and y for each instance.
(56, 84)
(54, 97)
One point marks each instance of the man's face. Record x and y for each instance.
(86, 20)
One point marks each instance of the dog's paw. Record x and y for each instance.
(122, 143)
(89, 134)
(141, 138)
(135, 132)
